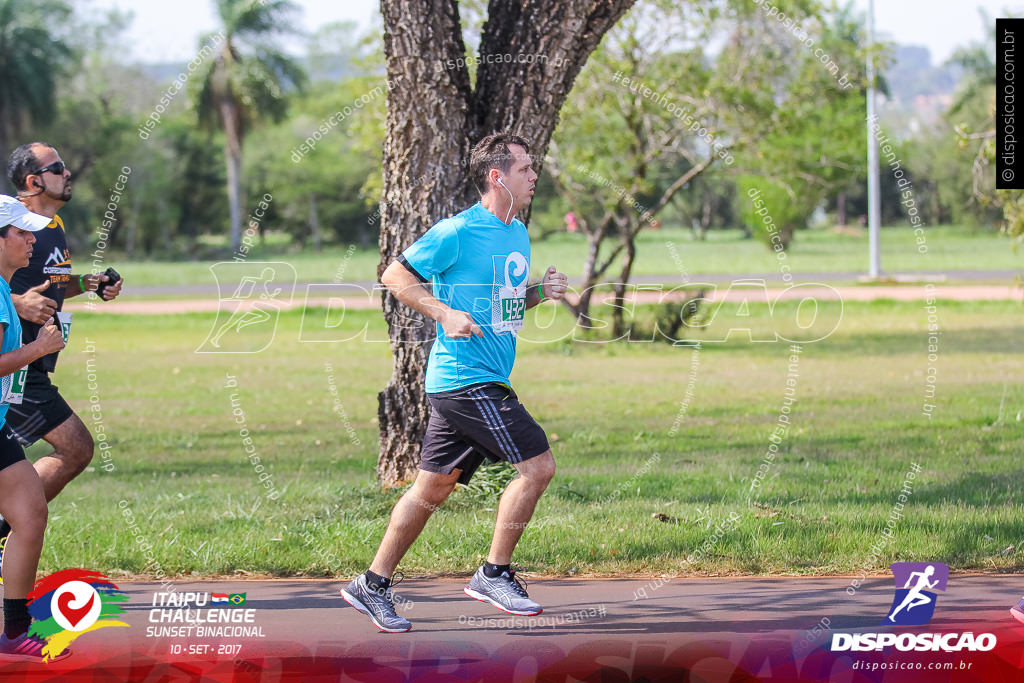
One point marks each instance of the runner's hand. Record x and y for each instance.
(459, 324)
(109, 292)
(33, 306)
(50, 338)
(554, 284)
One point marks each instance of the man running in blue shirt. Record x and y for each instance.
(479, 262)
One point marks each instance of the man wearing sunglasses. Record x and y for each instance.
(43, 184)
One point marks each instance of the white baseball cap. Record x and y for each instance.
(13, 212)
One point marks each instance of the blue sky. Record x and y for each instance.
(168, 31)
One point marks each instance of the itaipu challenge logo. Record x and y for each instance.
(71, 603)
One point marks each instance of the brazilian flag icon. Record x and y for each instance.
(237, 598)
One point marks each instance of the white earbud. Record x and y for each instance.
(511, 199)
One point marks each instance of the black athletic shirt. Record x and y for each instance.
(50, 259)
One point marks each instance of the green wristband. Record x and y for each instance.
(81, 282)
(540, 292)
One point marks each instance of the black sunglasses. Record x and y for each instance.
(57, 168)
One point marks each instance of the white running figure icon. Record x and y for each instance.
(243, 317)
(914, 597)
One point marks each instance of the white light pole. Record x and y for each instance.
(874, 209)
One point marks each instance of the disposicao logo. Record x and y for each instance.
(914, 605)
(70, 603)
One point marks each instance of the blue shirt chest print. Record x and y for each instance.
(481, 266)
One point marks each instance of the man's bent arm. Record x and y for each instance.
(73, 288)
(74, 285)
(408, 289)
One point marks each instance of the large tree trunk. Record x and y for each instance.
(628, 238)
(427, 122)
(234, 198)
(233, 158)
(592, 273)
(433, 119)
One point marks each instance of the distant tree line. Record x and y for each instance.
(658, 130)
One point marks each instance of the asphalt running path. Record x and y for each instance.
(370, 300)
(588, 622)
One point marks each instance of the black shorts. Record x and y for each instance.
(10, 450)
(41, 411)
(477, 422)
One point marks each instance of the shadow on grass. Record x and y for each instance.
(978, 340)
(971, 489)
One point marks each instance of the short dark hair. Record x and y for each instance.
(22, 163)
(492, 152)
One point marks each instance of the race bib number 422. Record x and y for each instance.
(512, 302)
(512, 308)
(507, 316)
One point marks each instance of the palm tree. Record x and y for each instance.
(30, 61)
(245, 82)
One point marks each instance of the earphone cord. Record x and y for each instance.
(511, 200)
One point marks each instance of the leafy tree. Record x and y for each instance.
(184, 200)
(94, 123)
(317, 193)
(973, 115)
(654, 111)
(815, 144)
(32, 60)
(246, 81)
(626, 148)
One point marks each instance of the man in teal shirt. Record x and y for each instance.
(479, 262)
(479, 265)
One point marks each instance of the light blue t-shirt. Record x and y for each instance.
(481, 266)
(12, 333)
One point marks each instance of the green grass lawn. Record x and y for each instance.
(625, 451)
(670, 252)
